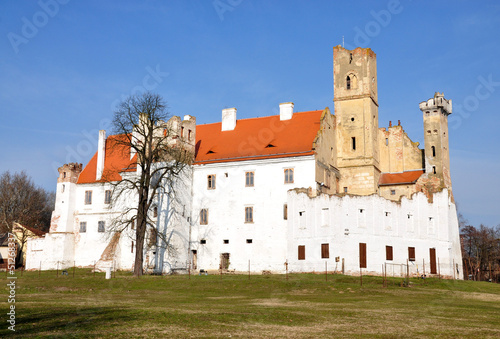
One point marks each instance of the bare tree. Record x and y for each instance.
(162, 155)
(23, 203)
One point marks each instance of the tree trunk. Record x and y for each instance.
(140, 233)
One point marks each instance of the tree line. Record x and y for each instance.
(480, 251)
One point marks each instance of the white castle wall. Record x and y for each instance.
(339, 222)
(226, 212)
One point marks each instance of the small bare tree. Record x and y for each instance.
(162, 155)
(23, 203)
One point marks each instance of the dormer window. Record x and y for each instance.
(348, 82)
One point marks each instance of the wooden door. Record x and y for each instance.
(432, 252)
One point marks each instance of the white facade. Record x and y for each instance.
(343, 223)
(226, 212)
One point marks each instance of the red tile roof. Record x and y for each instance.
(408, 177)
(116, 160)
(258, 138)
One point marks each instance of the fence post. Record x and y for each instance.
(343, 266)
(439, 269)
(286, 268)
(453, 268)
(423, 266)
(326, 271)
(57, 269)
(407, 273)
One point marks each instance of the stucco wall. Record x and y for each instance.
(344, 222)
(226, 212)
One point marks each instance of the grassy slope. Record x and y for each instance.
(264, 306)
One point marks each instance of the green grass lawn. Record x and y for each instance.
(266, 306)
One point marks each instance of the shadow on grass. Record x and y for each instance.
(66, 322)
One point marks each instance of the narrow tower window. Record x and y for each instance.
(434, 169)
(353, 143)
(433, 151)
(348, 82)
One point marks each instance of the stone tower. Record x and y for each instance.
(356, 111)
(437, 154)
(62, 217)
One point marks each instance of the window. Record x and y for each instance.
(83, 226)
(249, 179)
(100, 226)
(362, 255)
(289, 176)
(302, 252)
(285, 211)
(211, 181)
(433, 148)
(249, 241)
(226, 241)
(345, 189)
(107, 197)
(204, 216)
(64, 174)
(248, 214)
(387, 141)
(348, 82)
(393, 192)
(302, 219)
(353, 143)
(155, 211)
(203, 241)
(411, 253)
(88, 197)
(324, 217)
(325, 251)
(189, 134)
(388, 252)
(434, 169)
(63, 188)
(182, 131)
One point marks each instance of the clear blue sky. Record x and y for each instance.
(64, 67)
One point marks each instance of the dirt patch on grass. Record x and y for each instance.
(478, 296)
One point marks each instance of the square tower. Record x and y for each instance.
(356, 109)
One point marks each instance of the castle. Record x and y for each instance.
(297, 191)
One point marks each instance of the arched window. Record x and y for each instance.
(433, 151)
(348, 82)
(434, 169)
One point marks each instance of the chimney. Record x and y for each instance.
(101, 149)
(286, 110)
(228, 119)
